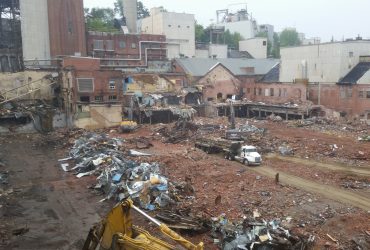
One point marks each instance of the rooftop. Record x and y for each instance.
(238, 66)
(356, 73)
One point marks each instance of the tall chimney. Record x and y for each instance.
(130, 12)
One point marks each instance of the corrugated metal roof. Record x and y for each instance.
(200, 66)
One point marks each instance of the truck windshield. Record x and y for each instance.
(251, 150)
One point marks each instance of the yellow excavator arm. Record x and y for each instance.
(117, 232)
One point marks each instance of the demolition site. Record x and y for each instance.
(143, 138)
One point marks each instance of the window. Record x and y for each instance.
(112, 98)
(109, 44)
(285, 93)
(99, 98)
(264, 43)
(367, 94)
(122, 44)
(259, 91)
(361, 94)
(267, 92)
(112, 84)
(98, 45)
(279, 92)
(178, 26)
(255, 91)
(85, 85)
(170, 25)
(210, 99)
(350, 54)
(248, 90)
(84, 98)
(188, 27)
(133, 45)
(271, 92)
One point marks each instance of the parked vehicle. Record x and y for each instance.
(232, 150)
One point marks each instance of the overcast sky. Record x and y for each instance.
(315, 18)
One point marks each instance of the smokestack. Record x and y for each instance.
(130, 12)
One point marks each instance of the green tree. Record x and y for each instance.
(275, 51)
(100, 19)
(231, 39)
(142, 11)
(289, 37)
(200, 34)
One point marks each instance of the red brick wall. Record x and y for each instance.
(90, 68)
(66, 27)
(341, 98)
(128, 52)
(275, 93)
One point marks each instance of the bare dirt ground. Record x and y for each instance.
(58, 209)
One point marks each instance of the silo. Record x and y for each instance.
(130, 12)
(35, 29)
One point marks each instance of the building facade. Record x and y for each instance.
(126, 50)
(256, 47)
(52, 28)
(179, 29)
(321, 63)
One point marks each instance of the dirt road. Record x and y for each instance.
(327, 191)
(56, 210)
(333, 167)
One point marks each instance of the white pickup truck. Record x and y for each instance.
(232, 150)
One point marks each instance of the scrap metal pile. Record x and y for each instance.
(117, 176)
(256, 233)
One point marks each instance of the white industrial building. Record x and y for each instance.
(35, 30)
(179, 29)
(256, 47)
(212, 51)
(321, 63)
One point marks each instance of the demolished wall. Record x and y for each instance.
(96, 116)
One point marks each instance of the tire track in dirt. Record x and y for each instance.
(333, 167)
(329, 192)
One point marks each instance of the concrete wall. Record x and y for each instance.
(150, 83)
(14, 80)
(325, 63)
(246, 28)
(100, 116)
(346, 98)
(257, 47)
(179, 29)
(35, 29)
(218, 50)
(218, 84)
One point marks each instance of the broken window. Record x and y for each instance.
(98, 45)
(99, 98)
(85, 85)
(219, 96)
(112, 98)
(84, 98)
(271, 92)
(112, 84)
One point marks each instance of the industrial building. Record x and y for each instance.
(52, 28)
(321, 63)
(256, 47)
(177, 27)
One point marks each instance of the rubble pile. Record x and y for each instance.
(181, 131)
(117, 176)
(256, 233)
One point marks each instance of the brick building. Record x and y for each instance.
(130, 50)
